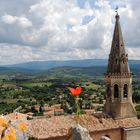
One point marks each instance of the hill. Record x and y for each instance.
(72, 68)
(45, 65)
(63, 72)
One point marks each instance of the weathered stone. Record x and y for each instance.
(78, 133)
(119, 103)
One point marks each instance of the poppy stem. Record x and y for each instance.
(77, 111)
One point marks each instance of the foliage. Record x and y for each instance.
(29, 92)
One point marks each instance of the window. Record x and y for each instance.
(124, 60)
(116, 91)
(108, 91)
(116, 61)
(125, 91)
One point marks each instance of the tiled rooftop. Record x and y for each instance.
(59, 125)
(16, 116)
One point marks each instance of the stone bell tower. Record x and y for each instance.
(118, 79)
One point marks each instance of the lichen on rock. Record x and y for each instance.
(78, 133)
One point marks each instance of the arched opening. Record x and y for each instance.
(116, 61)
(106, 137)
(123, 60)
(125, 91)
(108, 91)
(116, 91)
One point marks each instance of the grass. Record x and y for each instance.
(40, 84)
(90, 85)
(13, 100)
(3, 76)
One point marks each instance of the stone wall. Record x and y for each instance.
(131, 133)
(55, 138)
(113, 134)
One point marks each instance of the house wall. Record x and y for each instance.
(113, 134)
(56, 138)
(131, 133)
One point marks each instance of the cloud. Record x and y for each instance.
(21, 21)
(65, 29)
(9, 19)
(24, 22)
(14, 53)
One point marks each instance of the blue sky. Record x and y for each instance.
(65, 29)
(81, 3)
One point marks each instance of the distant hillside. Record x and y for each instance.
(88, 67)
(45, 65)
(74, 72)
(61, 72)
(8, 70)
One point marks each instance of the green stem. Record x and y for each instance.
(78, 111)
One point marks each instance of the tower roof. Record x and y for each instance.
(118, 59)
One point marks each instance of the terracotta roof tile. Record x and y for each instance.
(16, 116)
(59, 125)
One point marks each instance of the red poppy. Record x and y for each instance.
(76, 91)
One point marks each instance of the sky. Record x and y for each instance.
(42, 30)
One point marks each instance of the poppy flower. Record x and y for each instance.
(76, 91)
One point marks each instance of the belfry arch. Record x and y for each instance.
(116, 91)
(125, 91)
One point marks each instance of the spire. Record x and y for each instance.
(118, 59)
(118, 78)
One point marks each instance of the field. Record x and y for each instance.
(29, 90)
(34, 84)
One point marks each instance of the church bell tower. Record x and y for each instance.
(119, 79)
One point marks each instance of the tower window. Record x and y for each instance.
(123, 60)
(116, 91)
(108, 91)
(125, 91)
(116, 61)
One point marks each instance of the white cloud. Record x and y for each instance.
(133, 53)
(9, 19)
(16, 54)
(21, 21)
(54, 29)
(24, 22)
